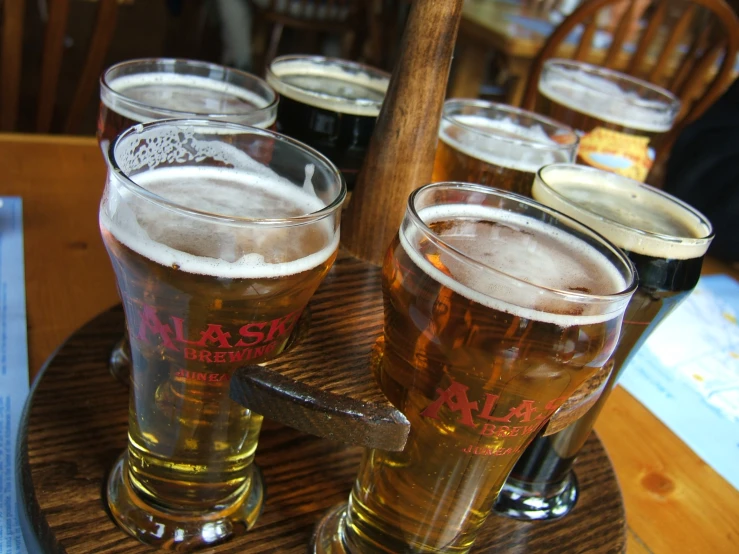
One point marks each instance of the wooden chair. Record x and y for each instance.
(337, 17)
(687, 46)
(10, 71)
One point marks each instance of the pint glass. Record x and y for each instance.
(621, 119)
(666, 240)
(330, 104)
(496, 309)
(493, 144)
(216, 253)
(150, 89)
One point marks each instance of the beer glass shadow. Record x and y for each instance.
(219, 234)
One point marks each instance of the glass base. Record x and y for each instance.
(120, 361)
(527, 501)
(329, 535)
(181, 530)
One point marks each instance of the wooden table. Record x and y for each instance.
(674, 501)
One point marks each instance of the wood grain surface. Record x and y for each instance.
(75, 425)
(60, 180)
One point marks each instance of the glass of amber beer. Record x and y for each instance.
(666, 240)
(330, 104)
(621, 119)
(494, 144)
(216, 252)
(150, 89)
(496, 310)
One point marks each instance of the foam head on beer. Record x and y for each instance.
(150, 89)
(237, 210)
(334, 85)
(609, 95)
(508, 256)
(493, 144)
(634, 216)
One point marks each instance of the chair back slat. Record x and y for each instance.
(690, 91)
(627, 23)
(586, 40)
(677, 35)
(656, 21)
(700, 44)
(11, 62)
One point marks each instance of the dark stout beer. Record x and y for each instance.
(329, 104)
(139, 91)
(477, 355)
(621, 119)
(666, 241)
(492, 144)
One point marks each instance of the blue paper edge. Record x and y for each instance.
(710, 442)
(12, 275)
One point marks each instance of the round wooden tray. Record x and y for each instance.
(74, 426)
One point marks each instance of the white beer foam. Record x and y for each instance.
(246, 189)
(531, 252)
(187, 94)
(584, 93)
(619, 208)
(533, 150)
(332, 103)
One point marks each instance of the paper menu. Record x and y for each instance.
(13, 365)
(687, 373)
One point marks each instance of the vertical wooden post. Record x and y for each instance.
(401, 154)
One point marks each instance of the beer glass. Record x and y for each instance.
(330, 104)
(150, 89)
(621, 119)
(216, 253)
(666, 240)
(496, 309)
(498, 145)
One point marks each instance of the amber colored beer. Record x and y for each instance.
(621, 119)
(477, 360)
(497, 145)
(666, 240)
(330, 104)
(143, 90)
(213, 274)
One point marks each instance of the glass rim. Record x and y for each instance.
(671, 101)
(616, 252)
(518, 112)
(373, 72)
(170, 113)
(615, 177)
(238, 128)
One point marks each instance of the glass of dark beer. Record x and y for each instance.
(151, 89)
(666, 240)
(216, 253)
(496, 310)
(621, 119)
(494, 144)
(329, 104)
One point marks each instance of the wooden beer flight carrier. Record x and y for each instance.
(318, 398)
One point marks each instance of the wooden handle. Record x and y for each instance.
(401, 154)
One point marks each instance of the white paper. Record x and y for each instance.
(687, 373)
(13, 366)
